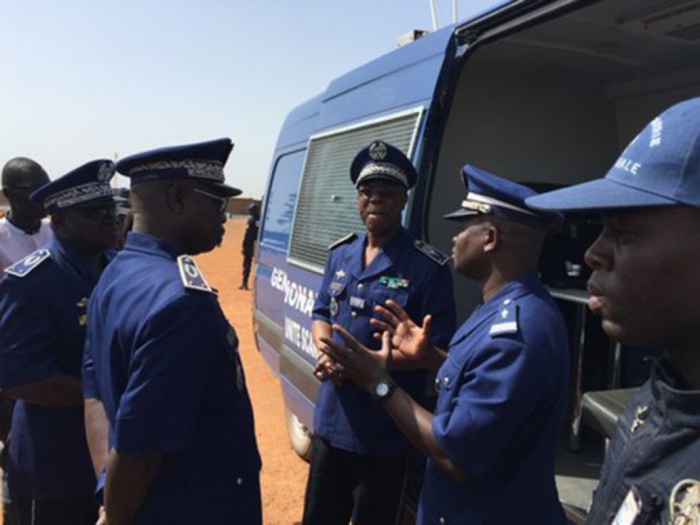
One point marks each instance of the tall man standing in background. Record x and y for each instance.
(22, 229)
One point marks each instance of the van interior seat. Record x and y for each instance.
(600, 410)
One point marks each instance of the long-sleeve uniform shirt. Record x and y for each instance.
(164, 361)
(501, 400)
(415, 276)
(653, 462)
(43, 302)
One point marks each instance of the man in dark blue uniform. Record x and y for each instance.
(163, 359)
(250, 236)
(645, 287)
(492, 438)
(43, 301)
(359, 457)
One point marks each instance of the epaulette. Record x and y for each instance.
(432, 252)
(191, 277)
(506, 319)
(23, 267)
(343, 240)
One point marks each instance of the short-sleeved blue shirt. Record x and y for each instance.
(42, 319)
(416, 277)
(164, 361)
(501, 400)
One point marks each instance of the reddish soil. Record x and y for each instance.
(284, 474)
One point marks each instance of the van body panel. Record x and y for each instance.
(541, 92)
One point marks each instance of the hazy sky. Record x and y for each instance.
(88, 79)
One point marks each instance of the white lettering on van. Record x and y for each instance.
(299, 336)
(297, 296)
(628, 165)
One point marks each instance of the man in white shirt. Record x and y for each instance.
(22, 229)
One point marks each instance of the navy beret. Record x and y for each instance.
(203, 162)
(84, 186)
(381, 160)
(488, 194)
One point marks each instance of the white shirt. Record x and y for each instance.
(15, 244)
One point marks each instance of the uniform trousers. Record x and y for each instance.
(78, 511)
(341, 484)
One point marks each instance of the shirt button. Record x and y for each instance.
(442, 521)
(446, 381)
(353, 314)
(360, 286)
(239, 481)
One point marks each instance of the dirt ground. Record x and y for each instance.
(284, 474)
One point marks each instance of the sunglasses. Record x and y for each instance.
(223, 201)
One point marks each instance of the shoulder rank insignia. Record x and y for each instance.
(506, 319)
(191, 277)
(23, 267)
(432, 252)
(343, 240)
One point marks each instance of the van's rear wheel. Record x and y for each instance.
(299, 436)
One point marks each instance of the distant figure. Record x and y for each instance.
(124, 216)
(163, 360)
(43, 308)
(22, 229)
(249, 238)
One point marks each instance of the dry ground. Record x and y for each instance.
(284, 474)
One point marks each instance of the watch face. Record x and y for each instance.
(381, 389)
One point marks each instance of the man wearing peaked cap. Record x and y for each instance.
(43, 301)
(359, 457)
(203, 162)
(644, 286)
(162, 358)
(503, 381)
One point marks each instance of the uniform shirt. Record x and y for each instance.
(655, 447)
(166, 367)
(15, 243)
(346, 416)
(251, 232)
(42, 318)
(501, 401)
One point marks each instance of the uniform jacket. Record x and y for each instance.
(501, 401)
(415, 276)
(164, 361)
(42, 318)
(656, 446)
(250, 235)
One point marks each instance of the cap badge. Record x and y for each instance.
(377, 150)
(105, 172)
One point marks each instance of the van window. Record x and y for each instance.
(282, 195)
(327, 204)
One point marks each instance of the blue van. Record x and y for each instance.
(544, 92)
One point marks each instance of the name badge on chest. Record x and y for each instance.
(630, 510)
(357, 302)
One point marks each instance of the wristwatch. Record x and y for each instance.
(383, 389)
